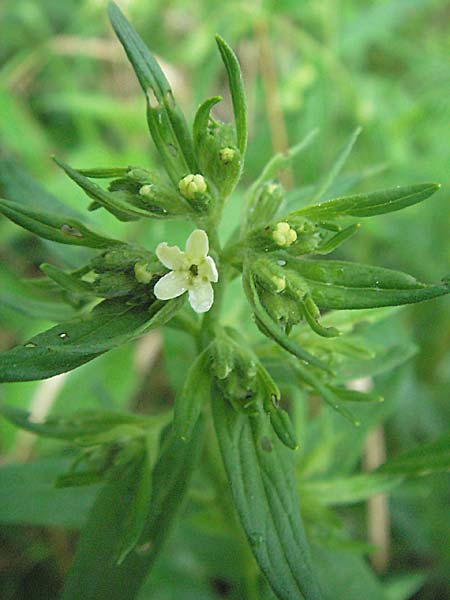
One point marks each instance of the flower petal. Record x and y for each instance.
(171, 256)
(201, 296)
(208, 269)
(171, 285)
(197, 245)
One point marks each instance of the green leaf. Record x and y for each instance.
(307, 376)
(346, 576)
(28, 495)
(67, 281)
(134, 522)
(433, 457)
(112, 201)
(237, 92)
(62, 229)
(195, 393)
(331, 174)
(262, 483)
(201, 120)
(166, 122)
(105, 173)
(277, 163)
(81, 424)
(368, 205)
(343, 285)
(95, 574)
(67, 346)
(16, 184)
(350, 490)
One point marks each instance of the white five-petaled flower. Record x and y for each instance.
(191, 271)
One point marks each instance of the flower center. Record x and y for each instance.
(194, 270)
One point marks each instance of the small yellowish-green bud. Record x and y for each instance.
(284, 235)
(226, 155)
(192, 186)
(147, 190)
(141, 273)
(279, 283)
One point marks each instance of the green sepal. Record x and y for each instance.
(312, 315)
(237, 92)
(272, 330)
(65, 230)
(214, 143)
(283, 427)
(368, 204)
(166, 122)
(336, 240)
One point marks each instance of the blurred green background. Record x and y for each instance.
(66, 89)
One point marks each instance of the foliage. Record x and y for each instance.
(135, 471)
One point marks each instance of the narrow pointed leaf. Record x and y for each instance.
(368, 205)
(262, 483)
(194, 394)
(331, 174)
(432, 457)
(344, 285)
(122, 209)
(54, 227)
(66, 280)
(202, 118)
(237, 92)
(82, 424)
(166, 122)
(95, 574)
(67, 346)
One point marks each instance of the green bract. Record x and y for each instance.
(145, 464)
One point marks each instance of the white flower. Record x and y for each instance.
(191, 271)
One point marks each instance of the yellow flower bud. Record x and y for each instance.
(226, 155)
(284, 235)
(192, 186)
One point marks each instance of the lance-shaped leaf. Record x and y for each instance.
(67, 281)
(194, 394)
(123, 210)
(54, 227)
(331, 174)
(166, 122)
(262, 483)
(67, 346)
(81, 424)
(95, 574)
(432, 457)
(237, 92)
(343, 285)
(368, 205)
(202, 119)
(17, 185)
